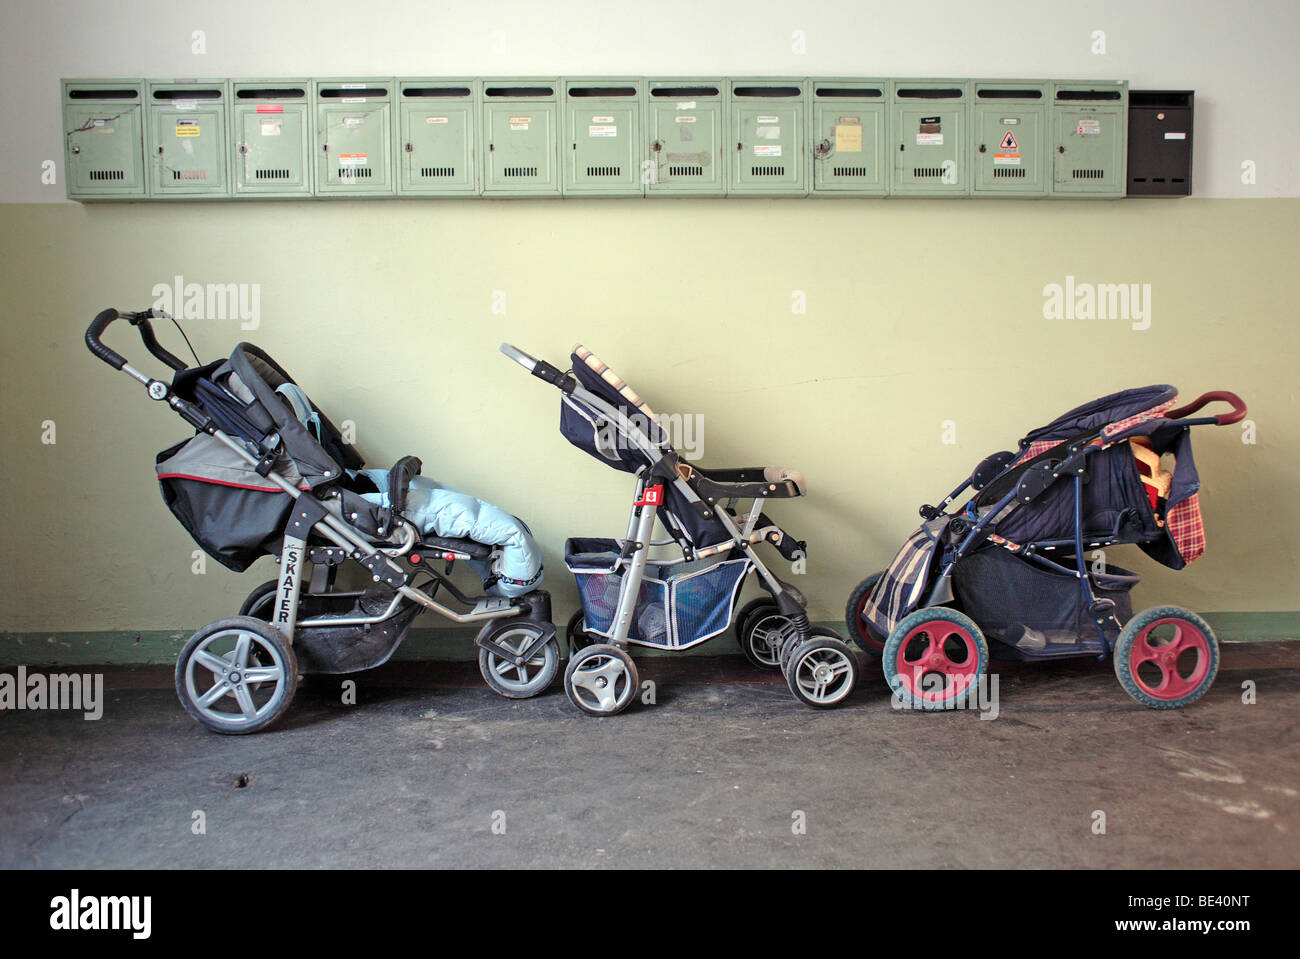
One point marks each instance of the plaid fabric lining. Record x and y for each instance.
(1114, 429)
(612, 378)
(1041, 446)
(1187, 528)
(1005, 543)
(894, 596)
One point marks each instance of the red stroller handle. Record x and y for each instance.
(1223, 419)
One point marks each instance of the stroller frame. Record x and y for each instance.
(323, 516)
(715, 493)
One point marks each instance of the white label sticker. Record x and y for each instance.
(352, 99)
(352, 86)
(764, 150)
(1009, 121)
(685, 119)
(353, 159)
(271, 127)
(104, 126)
(602, 130)
(1175, 136)
(602, 119)
(929, 139)
(769, 119)
(353, 121)
(185, 104)
(435, 119)
(768, 133)
(1088, 128)
(686, 105)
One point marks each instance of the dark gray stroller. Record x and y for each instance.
(268, 473)
(680, 600)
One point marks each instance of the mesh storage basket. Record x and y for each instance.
(678, 605)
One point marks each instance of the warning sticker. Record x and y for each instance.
(1009, 142)
(929, 139)
(1012, 158)
(520, 123)
(767, 150)
(353, 159)
(271, 126)
(848, 138)
(602, 130)
(270, 108)
(1088, 128)
(187, 128)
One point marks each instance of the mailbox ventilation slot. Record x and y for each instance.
(271, 174)
(355, 173)
(849, 171)
(1088, 174)
(686, 171)
(517, 171)
(189, 174)
(437, 171)
(767, 170)
(103, 176)
(1009, 173)
(927, 171)
(604, 171)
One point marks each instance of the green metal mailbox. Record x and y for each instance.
(353, 137)
(436, 137)
(686, 124)
(103, 139)
(848, 139)
(1089, 124)
(1010, 138)
(602, 137)
(185, 138)
(928, 121)
(520, 135)
(770, 124)
(271, 137)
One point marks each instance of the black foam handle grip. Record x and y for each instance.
(96, 345)
(399, 481)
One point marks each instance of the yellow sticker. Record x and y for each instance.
(187, 128)
(848, 138)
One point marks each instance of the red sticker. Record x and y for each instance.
(270, 108)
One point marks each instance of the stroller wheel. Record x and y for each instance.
(1166, 657)
(519, 680)
(260, 601)
(236, 675)
(746, 611)
(934, 657)
(866, 638)
(576, 633)
(601, 679)
(764, 634)
(822, 671)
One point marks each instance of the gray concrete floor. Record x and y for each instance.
(711, 776)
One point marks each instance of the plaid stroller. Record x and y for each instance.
(686, 598)
(1012, 565)
(266, 472)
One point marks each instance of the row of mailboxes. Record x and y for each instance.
(594, 137)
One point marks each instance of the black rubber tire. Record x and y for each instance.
(743, 616)
(815, 632)
(489, 663)
(817, 653)
(863, 636)
(621, 698)
(1122, 655)
(259, 596)
(755, 642)
(275, 648)
(576, 636)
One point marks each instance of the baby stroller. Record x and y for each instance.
(268, 472)
(681, 600)
(1011, 565)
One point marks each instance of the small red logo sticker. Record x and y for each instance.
(653, 496)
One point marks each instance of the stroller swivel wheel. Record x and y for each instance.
(934, 657)
(601, 679)
(1166, 657)
(236, 675)
(513, 679)
(576, 633)
(866, 638)
(746, 611)
(764, 634)
(822, 671)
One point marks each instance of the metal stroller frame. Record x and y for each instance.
(601, 678)
(318, 531)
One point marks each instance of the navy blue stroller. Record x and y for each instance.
(684, 594)
(1016, 570)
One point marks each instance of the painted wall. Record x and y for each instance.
(917, 312)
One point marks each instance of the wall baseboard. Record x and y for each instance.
(457, 644)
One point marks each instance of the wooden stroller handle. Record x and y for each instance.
(1223, 419)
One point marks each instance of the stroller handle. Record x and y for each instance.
(101, 322)
(1223, 419)
(541, 369)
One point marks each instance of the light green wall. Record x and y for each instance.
(917, 312)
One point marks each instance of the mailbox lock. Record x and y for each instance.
(823, 149)
(75, 150)
(983, 148)
(410, 148)
(1060, 149)
(657, 146)
(243, 148)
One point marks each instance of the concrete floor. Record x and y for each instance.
(712, 776)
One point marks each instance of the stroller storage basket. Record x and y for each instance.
(1017, 602)
(679, 605)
